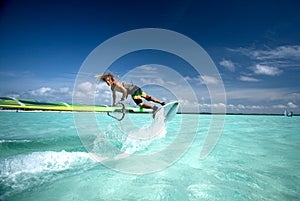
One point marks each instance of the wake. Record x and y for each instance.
(22, 172)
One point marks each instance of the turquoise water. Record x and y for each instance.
(43, 158)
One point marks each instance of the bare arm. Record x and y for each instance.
(114, 97)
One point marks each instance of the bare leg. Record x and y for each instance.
(145, 105)
(149, 106)
(157, 101)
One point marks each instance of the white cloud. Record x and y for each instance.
(279, 106)
(64, 90)
(266, 70)
(203, 79)
(256, 107)
(49, 94)
(86, 86)
(288, 105)
(295, 95)
(16, 74)
(228, 64)
(248, 79)
(152, 81)
(42, 91)
(276, 58)
(187, 78)
(244, 108)
(92, 93)
(292, 105)
(102, 86)
(148, 75)
(282, 52)
(260, 94)
(209, 79)
(240, 106)
(148, 68)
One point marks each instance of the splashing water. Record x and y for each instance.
(25, 171)
(129, 137)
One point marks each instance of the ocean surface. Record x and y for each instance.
(45, 156)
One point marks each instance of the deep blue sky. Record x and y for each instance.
(254, 44)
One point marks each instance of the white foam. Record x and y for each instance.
(38, 162)
(121, 139)
(140, 138)
(21, 172)
(14, 141)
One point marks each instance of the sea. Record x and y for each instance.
(91, 156)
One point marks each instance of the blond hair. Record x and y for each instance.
(104, 76)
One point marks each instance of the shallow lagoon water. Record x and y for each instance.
(256, 158)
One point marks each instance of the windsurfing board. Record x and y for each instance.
(169, 110)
